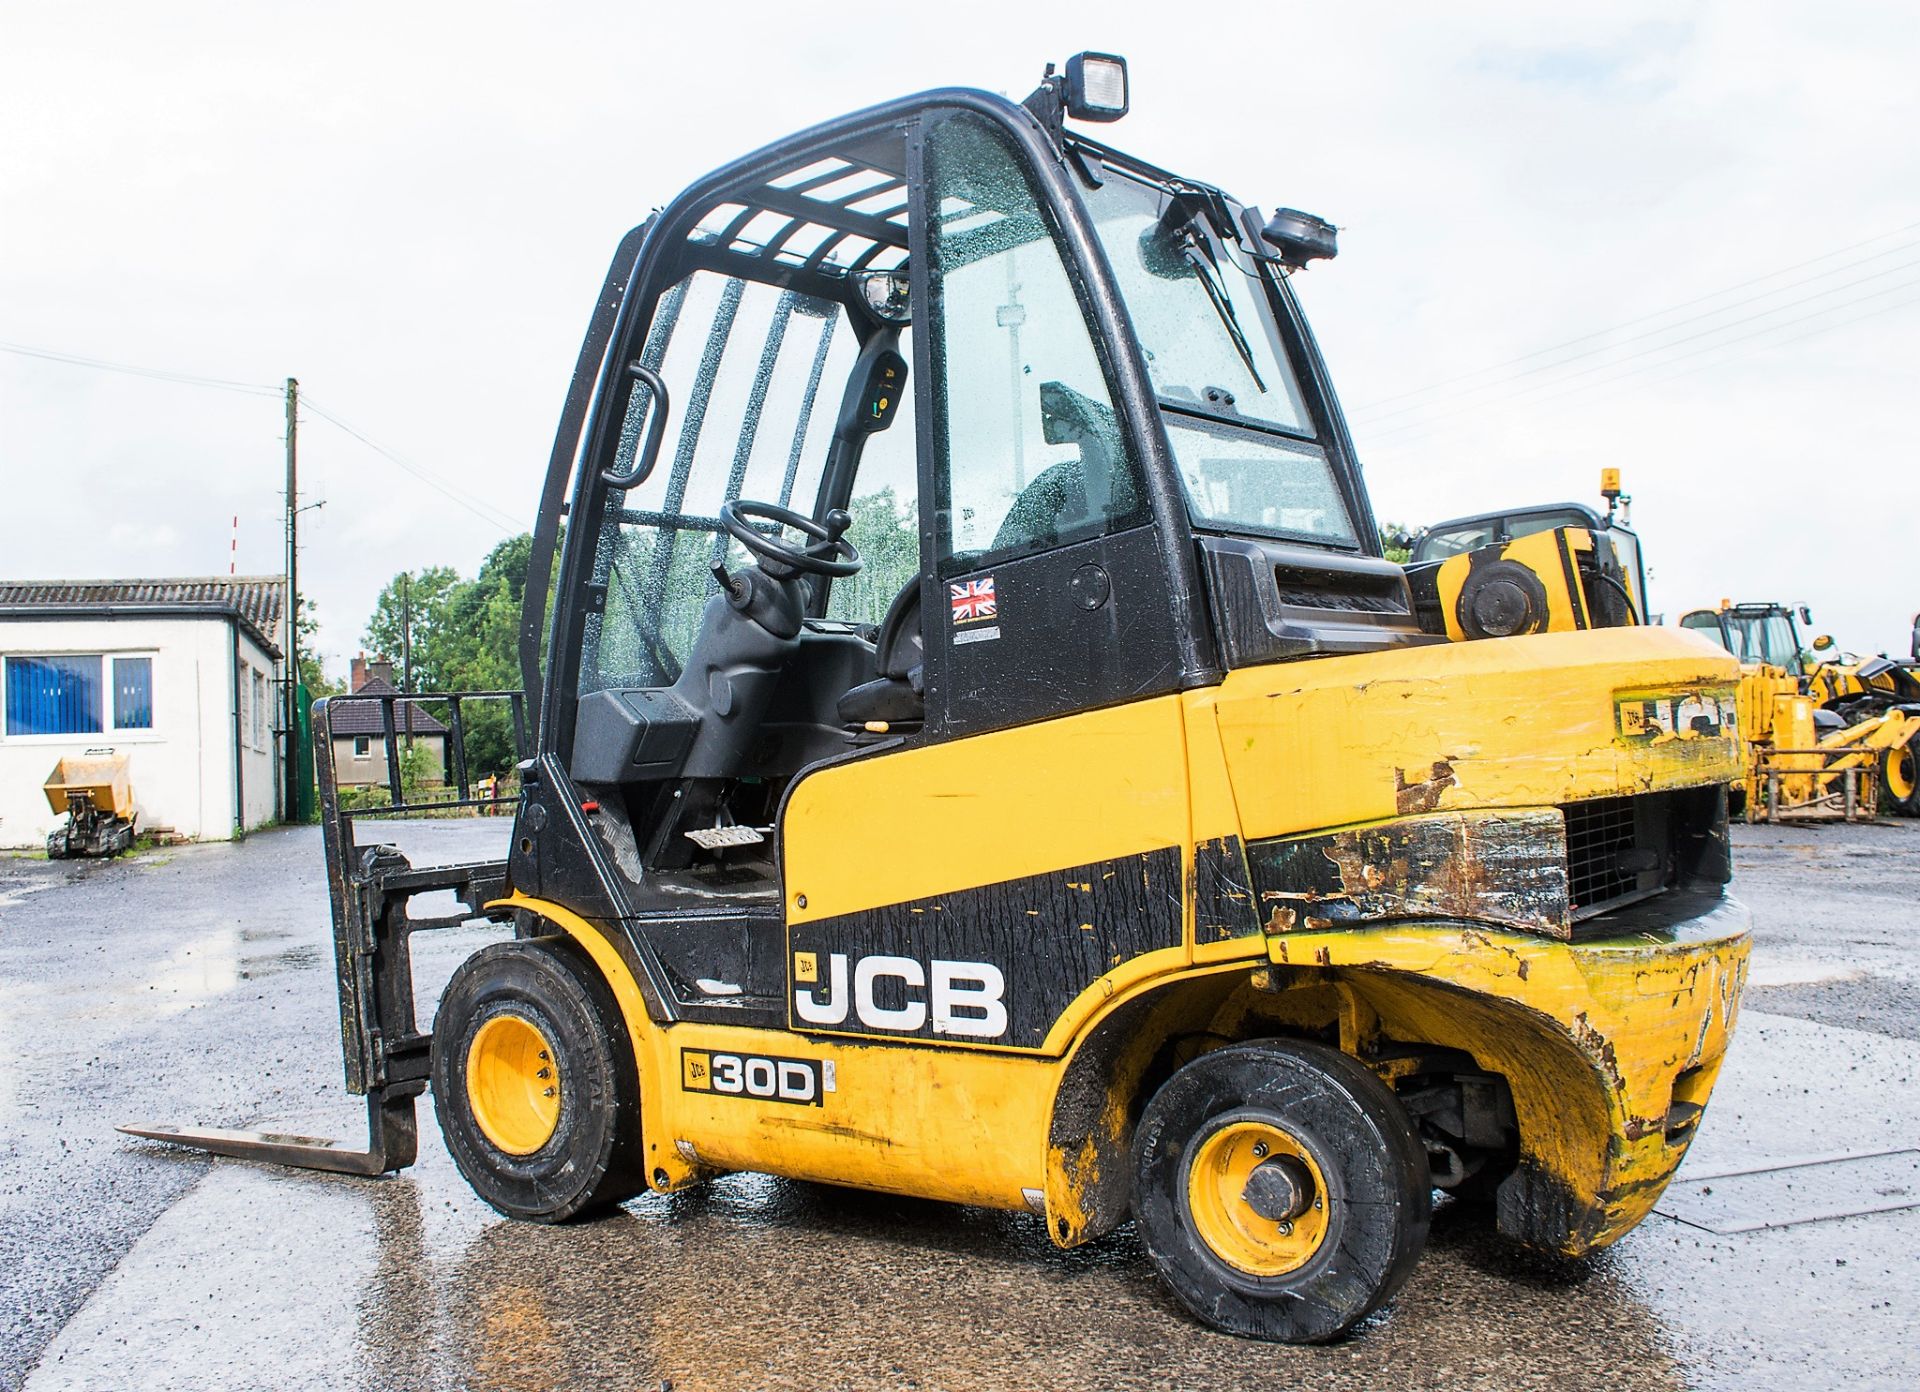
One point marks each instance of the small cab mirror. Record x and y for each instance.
(1300, 237)
(1806, 614)
(1823, 642)
(1916, 638)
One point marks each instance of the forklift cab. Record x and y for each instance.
(1755, 633)
(937, 420)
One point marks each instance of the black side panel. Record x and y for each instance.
(1273, 601)
(1051, 936)
(1223, 904)
(1084, 626)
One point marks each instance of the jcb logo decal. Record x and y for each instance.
(801, 1081)
(966, 999)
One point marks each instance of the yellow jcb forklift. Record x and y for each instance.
(980, 752)
(1829, 735)
(1555, 568)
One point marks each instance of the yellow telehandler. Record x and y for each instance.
(979, 751)
(1829, 735)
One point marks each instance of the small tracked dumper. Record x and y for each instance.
(980, 752)
(97, 797)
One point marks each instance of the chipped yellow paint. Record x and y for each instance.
(1514, 722)
(896, 1121)
(1598, 1040)
(1100, 785)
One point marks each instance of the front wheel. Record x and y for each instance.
(1900, 781)
(534, 1083)
(1280, 1190)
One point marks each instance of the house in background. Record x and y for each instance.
(359, 729)
(182, 676)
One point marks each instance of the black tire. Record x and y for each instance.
(592, 1158)
(1377, 1189)
(1900, 767)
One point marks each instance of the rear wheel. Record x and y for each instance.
(534, 1083)
(1280, 1190)
(1900, 781)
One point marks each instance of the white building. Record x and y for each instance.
(181, 676)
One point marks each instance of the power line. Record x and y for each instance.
(484, 511)
(1364, 408)
(132, 370)
(1586, 390)
(1415, 426)
(1654, 333)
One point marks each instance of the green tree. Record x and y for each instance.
(887, 532)
(312, 675)
(412, 607)
(465, 637)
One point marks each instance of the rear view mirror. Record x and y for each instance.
(1300, 237)
(1806, 614)
(1823, 642)
(1916, 638)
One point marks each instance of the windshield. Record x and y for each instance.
(1768, 638)
(1192, 307)
(1235, 415)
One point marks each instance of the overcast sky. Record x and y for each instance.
(1683, 239)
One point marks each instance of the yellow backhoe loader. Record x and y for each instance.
(1829, 735)
(980, 752)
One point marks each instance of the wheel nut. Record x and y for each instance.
(1286, 1230)
(1279, 1190)
(1259, 1150)
(548, 1093)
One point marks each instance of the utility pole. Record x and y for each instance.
(292, 781)
(1010, 316)
(406, 647)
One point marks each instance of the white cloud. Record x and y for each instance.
(410, 208)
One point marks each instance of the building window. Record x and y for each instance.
(259, 710)
(67, 695)
(362, 747)
(133, 693)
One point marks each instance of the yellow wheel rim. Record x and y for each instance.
(1901, 775)
(1264, 1225)
(513, 1084)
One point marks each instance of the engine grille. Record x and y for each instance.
(1601, 834)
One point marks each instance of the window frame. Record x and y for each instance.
(109, 725)
(939, 558)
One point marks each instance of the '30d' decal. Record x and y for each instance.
(803, 1082)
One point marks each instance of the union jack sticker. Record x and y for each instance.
(973, 600)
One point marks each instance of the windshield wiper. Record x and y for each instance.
(1205, 271)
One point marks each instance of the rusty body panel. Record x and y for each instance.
(1610, 1048)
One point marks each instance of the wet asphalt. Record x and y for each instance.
(194, 985)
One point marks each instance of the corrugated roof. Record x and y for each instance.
(258, 601)
(363, 717)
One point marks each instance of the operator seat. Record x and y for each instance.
(898, 695)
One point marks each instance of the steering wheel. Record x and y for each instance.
(775, 554)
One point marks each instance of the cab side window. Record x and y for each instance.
(1029, 450)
